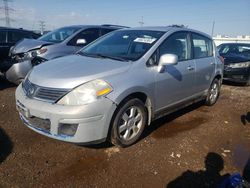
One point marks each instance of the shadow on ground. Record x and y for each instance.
(103, 145)
(4, 84)
(157, 124)
(210, 177)
(245, 118)
(166, 120)
(246, 171)
(6, 145)
(229, 83)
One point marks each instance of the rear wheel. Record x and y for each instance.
(213, 92)
(128, 123)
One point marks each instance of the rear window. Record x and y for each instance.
(203, 46)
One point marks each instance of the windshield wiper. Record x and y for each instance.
(111, 57)
(102, 56)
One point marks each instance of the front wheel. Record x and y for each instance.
(128, 123)
(213, 92)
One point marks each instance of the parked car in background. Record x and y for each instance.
(237, 62)
(58, 43)
(8, 38)
(116, 86)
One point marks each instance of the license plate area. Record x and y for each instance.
(32, 121)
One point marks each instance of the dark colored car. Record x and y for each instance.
(58, 43)
(236, 62)
(8, 38)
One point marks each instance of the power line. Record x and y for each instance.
(212, 34)
(42, 26)
(141, 22)
(7, 10)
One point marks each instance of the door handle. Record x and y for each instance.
(212, 63)
(190, 68)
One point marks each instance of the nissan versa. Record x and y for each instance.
(116, 86)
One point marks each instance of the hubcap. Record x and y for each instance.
(130, 123)
(214, 92)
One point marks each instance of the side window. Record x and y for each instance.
(178, 44)
(88, 34)
(3, 35)
(202, 46)
(105, 31)
(15, 36)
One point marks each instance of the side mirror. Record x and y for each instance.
(81, 41)
(167, 59)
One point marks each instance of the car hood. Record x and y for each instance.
(234, 58)
(28, 44)
(74, 70)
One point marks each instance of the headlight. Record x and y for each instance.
(240, 65)
(86, 93)
(34, 53)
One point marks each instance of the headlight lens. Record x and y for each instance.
(86, 93)
(240, 65)
(34, 53)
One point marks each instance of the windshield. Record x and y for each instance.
(235, 49)
(59, 35)
(123, 44)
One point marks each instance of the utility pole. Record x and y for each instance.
(7, 10)
(213, 29)
(141, 22)
(42, 26)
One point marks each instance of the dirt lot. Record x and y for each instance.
(171, 153)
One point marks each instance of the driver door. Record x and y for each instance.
(176, 82)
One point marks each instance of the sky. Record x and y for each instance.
(231, 17)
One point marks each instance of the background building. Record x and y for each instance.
(219, 39)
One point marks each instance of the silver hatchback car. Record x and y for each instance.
(116, 86)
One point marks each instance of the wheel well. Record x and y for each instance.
(144, 98)
(139, 95)
(218, 76)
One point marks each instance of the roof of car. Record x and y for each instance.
(102, 26)
(12, 28)
(168, 28)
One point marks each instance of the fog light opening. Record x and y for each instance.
(67, 129)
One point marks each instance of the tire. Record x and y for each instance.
(213, 92)
(128, 123)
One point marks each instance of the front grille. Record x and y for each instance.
(43, 93)
(49, 94)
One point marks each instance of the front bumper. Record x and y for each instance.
(92, 120)
(239, 75)
(18, 71)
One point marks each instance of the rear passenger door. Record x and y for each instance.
(176, 82)
(204, 61)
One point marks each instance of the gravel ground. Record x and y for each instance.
(171, 153)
